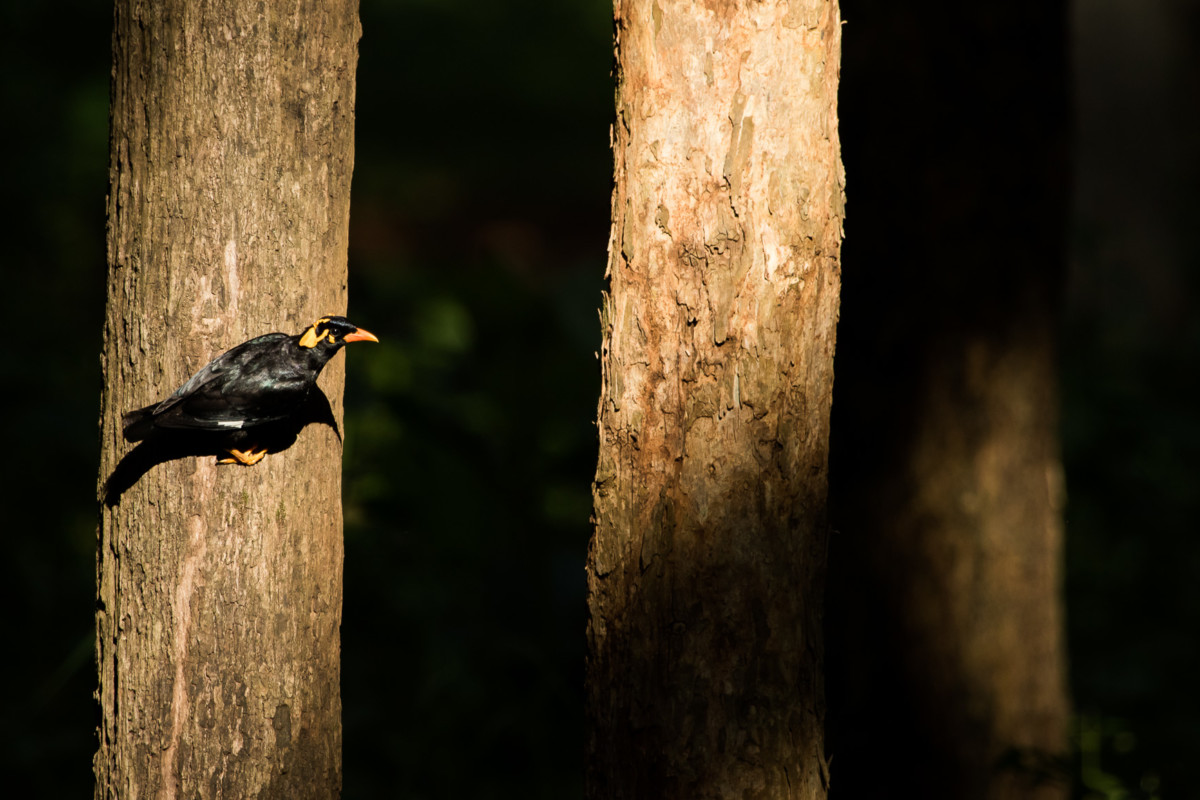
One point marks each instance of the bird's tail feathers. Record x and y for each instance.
(137, 425)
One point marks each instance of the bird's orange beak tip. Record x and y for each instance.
(361, 335)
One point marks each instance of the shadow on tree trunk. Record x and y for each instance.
(168, 445)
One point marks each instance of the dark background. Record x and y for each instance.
(478, 232)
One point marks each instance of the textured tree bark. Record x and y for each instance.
(706, 564)
(946, 573)
(219, 588)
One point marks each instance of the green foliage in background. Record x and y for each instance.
(55, 99)
(479, 226)
(469, 453)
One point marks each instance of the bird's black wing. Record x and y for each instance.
(258, 381)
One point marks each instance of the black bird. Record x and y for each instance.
(265, 380)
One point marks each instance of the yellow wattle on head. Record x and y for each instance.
(311, 338)
(334, 331)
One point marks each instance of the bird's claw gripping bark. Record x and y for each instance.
(246, 457)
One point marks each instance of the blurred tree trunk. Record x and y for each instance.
(707, 562)
(946, 623)
(219, 588)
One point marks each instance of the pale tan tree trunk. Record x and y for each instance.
(219, 588)
(707, 560)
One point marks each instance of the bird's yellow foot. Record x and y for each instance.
(247, 457)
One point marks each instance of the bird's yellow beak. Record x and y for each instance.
(360, 335)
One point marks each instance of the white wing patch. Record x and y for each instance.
(232, 423)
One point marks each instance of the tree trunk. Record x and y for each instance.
(707, 561)
(946, 573)
(219, 587)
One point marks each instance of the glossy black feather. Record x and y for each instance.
(264, 380)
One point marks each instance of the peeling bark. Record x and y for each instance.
(707, 560)
(219, 588)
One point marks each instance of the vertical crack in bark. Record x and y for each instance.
(181, 609)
